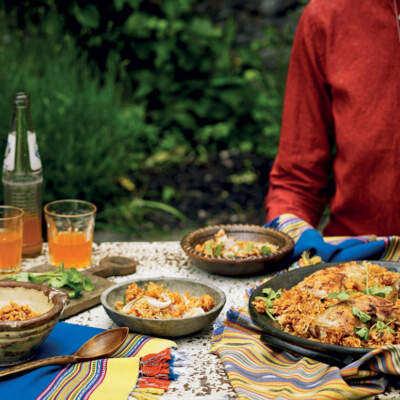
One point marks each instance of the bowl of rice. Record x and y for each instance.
(235, 250)
(165, 307)
(28, 313)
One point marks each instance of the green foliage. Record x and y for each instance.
(120, 86)
(87, 137)
(193, 85)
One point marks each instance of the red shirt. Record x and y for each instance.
(343, 88)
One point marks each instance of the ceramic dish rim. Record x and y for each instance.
(217, 307)
(56, 297)
(188, 249)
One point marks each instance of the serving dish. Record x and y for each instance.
(275, 337)
(173, 327)
(20, 339)
(239, 266)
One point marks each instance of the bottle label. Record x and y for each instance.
(9, 157)
(34, 157)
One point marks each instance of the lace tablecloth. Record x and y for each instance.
(204, 376)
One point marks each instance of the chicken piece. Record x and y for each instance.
(336, 318)
(206, 302)
(352, 276)
(378, 308)
(323, 282)
(355, 275)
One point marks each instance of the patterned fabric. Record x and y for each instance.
(340, 248)
(258, 373)
(139, 358)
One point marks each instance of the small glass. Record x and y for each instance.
(70, 226)
(11, 230)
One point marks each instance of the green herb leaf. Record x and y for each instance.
(270, 315)
(362, 332)
(270, 295)
(250, 248)
(74, 294)
(265, 250)
(342, 295)
(361, 315)
(57, 281)
(378, 291)
(22, 277)
(87, 284)
(382, 327)
(218, 249)
(74, 276)
(208, 248)
(37, 278)
(57, 278)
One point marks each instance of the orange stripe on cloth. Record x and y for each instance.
(256, 372)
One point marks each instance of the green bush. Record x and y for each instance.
(87, 138)
(194, 86)
(121, 86)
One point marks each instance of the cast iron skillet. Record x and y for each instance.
(275, 337)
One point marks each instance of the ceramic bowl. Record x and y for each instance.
(20, 339)
(173, 327)
(239, 266)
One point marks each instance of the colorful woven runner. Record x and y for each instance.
(142, 362)
(258, 373)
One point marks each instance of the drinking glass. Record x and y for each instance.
(70, 226)
(11, 230)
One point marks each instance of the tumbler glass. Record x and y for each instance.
(70, 226)
(11, 231)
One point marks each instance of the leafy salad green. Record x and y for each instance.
(58, 278)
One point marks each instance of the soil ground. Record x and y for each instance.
(228, 188)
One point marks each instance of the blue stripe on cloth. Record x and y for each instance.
(65, 338)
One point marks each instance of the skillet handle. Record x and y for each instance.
(280, 344)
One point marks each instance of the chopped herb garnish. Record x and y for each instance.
(271, 293)
(362, 332)
(342, 295)
(265, 250)
(208, 248)
(382, 327)
(269, 296)
(218, 249)
(361, 315)
(249, 248)
(378, 291)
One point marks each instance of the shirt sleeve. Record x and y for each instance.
(298, 181)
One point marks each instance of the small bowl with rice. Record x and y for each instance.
(165, 307)
(28, 313)
(235, 250)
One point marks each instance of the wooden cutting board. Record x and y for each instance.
(108, 266)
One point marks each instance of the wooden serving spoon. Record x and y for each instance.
(102, 345)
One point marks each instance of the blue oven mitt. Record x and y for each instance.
(349, 249)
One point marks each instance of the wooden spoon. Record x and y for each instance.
(102, 345)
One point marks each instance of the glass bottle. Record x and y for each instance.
(22, 174)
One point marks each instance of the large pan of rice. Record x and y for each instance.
(321, 307)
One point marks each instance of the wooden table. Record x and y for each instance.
(203, 376)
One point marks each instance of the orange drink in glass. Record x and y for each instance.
(70, 226)
(32, 239)
(11, 229)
